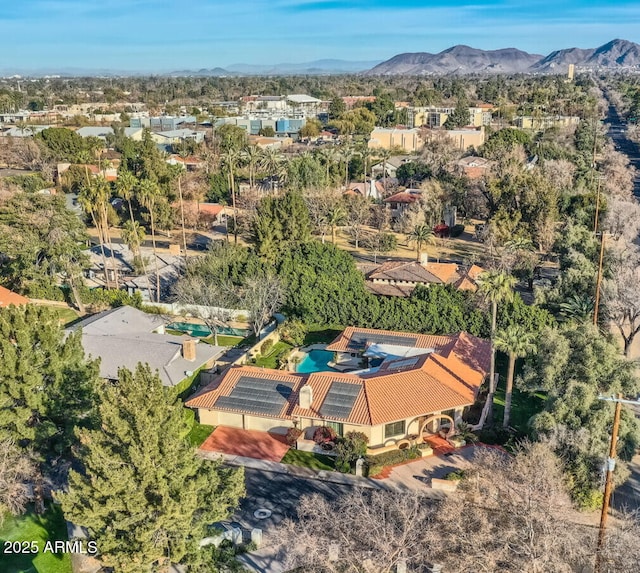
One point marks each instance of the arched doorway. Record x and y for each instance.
(439, 417)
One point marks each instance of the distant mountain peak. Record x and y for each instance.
(463, 59)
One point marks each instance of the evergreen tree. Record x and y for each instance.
(45, 382)
(142, 493)
(460, 116)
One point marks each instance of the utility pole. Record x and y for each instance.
(596, 306)
(611, 464)
(595, 222)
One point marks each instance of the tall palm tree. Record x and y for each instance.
(94, 199)
(421, 235)
(125, 186)
(336, 216)
(148, 194)
(495, 287)
(346, 154)
(230, 159)
(366, 153)
(272, 162)
(252, 155)
(516, 342)
(384, 155)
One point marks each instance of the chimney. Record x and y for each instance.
(305, 397)
(424, 259)
(189, 350)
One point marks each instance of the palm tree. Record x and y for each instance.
(148, 193)
(366, 153)
(252, 155)
(516, 342)
(336, 216)
(94, 199)
(384, 155)
(272, 163)
(495, 287)
(578, 308)
(125, 185)
(230, 159)
(346, 154)
(421, 235)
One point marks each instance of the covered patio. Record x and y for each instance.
(246, 443)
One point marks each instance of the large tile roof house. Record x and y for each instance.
(125, 336)
(399, 278)
(418, 380)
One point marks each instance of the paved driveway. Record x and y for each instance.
(246, 443)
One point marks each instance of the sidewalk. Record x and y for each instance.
(295, 471)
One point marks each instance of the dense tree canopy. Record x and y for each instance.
(142, 492)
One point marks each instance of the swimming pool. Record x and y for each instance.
(202, 330)
(316, 361)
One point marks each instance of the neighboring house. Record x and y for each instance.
(177, 136)
(474, 167)
(391, 165)
(400, 202)
(109, 173)
(372, 189)
(24, 131)
(189, 163)
(400, 278)
(418, 381)
(103, 132)
(122, 263)
(125, 336)
(388, 138)
(8, 298)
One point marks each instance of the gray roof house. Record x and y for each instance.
(125, 336)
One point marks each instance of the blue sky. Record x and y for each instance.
(165, 35)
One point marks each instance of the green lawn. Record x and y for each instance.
(224, 340)
(40, 528)
(270, 360)
(65, 314)
(523, 404)
(199, 433)
(321, 335)
(309, 460)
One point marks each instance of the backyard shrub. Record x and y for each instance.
(343, 467)
(324, 434)
(457, 230)
(292, 436)
(293, 332)
(266, 346)
(351, 447)
(393, 457)
(455, 475)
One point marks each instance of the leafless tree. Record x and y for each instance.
(320, 203)
(263, 296)
(511, 514)
(621, 294)
(212, 303)
(623, 218)
(371, 531)
(358, 216)
(618, 174)
(16, 470)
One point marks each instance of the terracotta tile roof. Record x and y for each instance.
(320, 383)
(341, 343)
(443, 271)
(208, 397)
(8, 297)
(386, 289)
(402, 197)
(447, 378)
(410, 272)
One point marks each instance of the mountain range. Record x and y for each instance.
(617, 54)
(317, 67)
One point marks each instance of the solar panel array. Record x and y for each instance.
(339, 400)
(257, 395)
(406, 363)
(359, 340)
